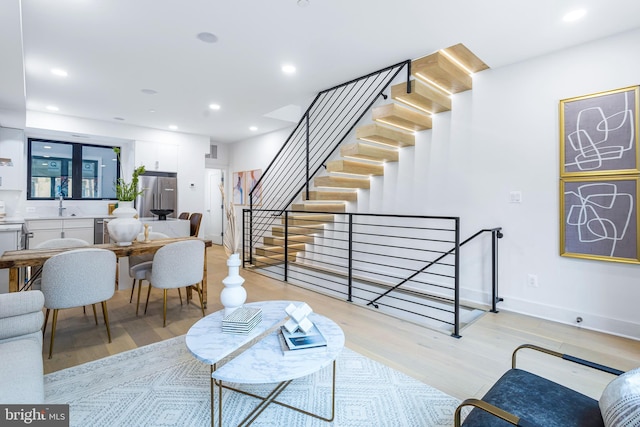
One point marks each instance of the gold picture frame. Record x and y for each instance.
(599, 218)
(599, 133)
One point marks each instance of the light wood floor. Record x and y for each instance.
(463, 367)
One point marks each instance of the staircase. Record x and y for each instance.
(435, 78)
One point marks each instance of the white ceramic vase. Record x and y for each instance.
(124, 228)
(233, 295)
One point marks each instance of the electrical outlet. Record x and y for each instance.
(515, 197)
(532, 280)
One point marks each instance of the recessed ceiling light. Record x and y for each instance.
(52, 108)
(253, 128)
(214, 106)
(574, 15)
(303, 3)
(59, 72)
(148, 91)
(288, 69)
(173, 127)
(207, 37)
(152, 110)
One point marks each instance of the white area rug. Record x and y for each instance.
(163, 385)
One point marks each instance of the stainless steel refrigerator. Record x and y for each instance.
(159, 191)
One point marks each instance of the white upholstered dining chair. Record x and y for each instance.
(140, 264)
(177, 265)
(77, 278)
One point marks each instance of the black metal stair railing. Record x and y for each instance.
(327, 122)
(397, 263)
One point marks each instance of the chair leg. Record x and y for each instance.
(200, 296)
(164, 309)
(46, 319)
(53, 330)
(147, 304)
(133, 286)
(106, 318)
(180, 295)
(139, 289)
(95, 316)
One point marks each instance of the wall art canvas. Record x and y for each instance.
(599, 133)
(253, 176)
(238, 186)
(599, 218)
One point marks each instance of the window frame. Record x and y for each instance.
(77, 162)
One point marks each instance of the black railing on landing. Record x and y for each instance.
(328, 121)
(370, 259)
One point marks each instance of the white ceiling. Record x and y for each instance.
(112, 49)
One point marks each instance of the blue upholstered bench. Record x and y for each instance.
(524, 399)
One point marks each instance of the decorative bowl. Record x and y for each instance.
(161, 213)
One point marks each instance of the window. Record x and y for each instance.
(77, 171)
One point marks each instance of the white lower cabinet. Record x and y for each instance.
(47, 229)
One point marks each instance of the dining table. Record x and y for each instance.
(15, 260)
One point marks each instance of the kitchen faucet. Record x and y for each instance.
(60, 208)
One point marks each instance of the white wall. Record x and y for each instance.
(504, 136)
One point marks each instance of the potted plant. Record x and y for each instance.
(127, 192)
(126, 226)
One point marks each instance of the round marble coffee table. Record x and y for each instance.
(257, 358)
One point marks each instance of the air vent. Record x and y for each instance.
(213, 152)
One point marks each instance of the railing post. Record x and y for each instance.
(409, 76)
(495, 235)
(456, 279)
(350, 260)
(286, 245)
(307, 166)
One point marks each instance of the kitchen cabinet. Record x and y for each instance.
(46, 229)
(156, 156)
(12, 147)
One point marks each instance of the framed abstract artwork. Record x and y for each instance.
(254, 198)
(599, 218)
(238, 187)
(599, 133)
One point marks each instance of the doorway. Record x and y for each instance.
(213, 216)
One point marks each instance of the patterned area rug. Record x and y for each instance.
(163, 385)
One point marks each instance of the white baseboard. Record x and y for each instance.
(590, 321)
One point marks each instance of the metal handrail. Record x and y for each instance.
(496, 234)
(331, 117)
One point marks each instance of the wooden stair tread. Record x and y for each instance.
(260, 261)
(279, 241)
(320, 207)
(274, 250)
(341, 182)
(278, 230)
(307, 219)
(369, 152)
(385, 135)
(347, 196)
(449, 68)
(422, 96)
(402, 117)
(354, 167)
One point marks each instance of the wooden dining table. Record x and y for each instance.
(15, 260)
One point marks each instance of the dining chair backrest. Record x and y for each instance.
(178, 264)
(78, 277)
(195, 219)
(66, 242)
(184, 215)
(137, 259)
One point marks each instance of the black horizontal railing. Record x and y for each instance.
(327, 122)
(397, 262)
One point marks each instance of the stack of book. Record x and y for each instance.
(302, 343)
(242, 320)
